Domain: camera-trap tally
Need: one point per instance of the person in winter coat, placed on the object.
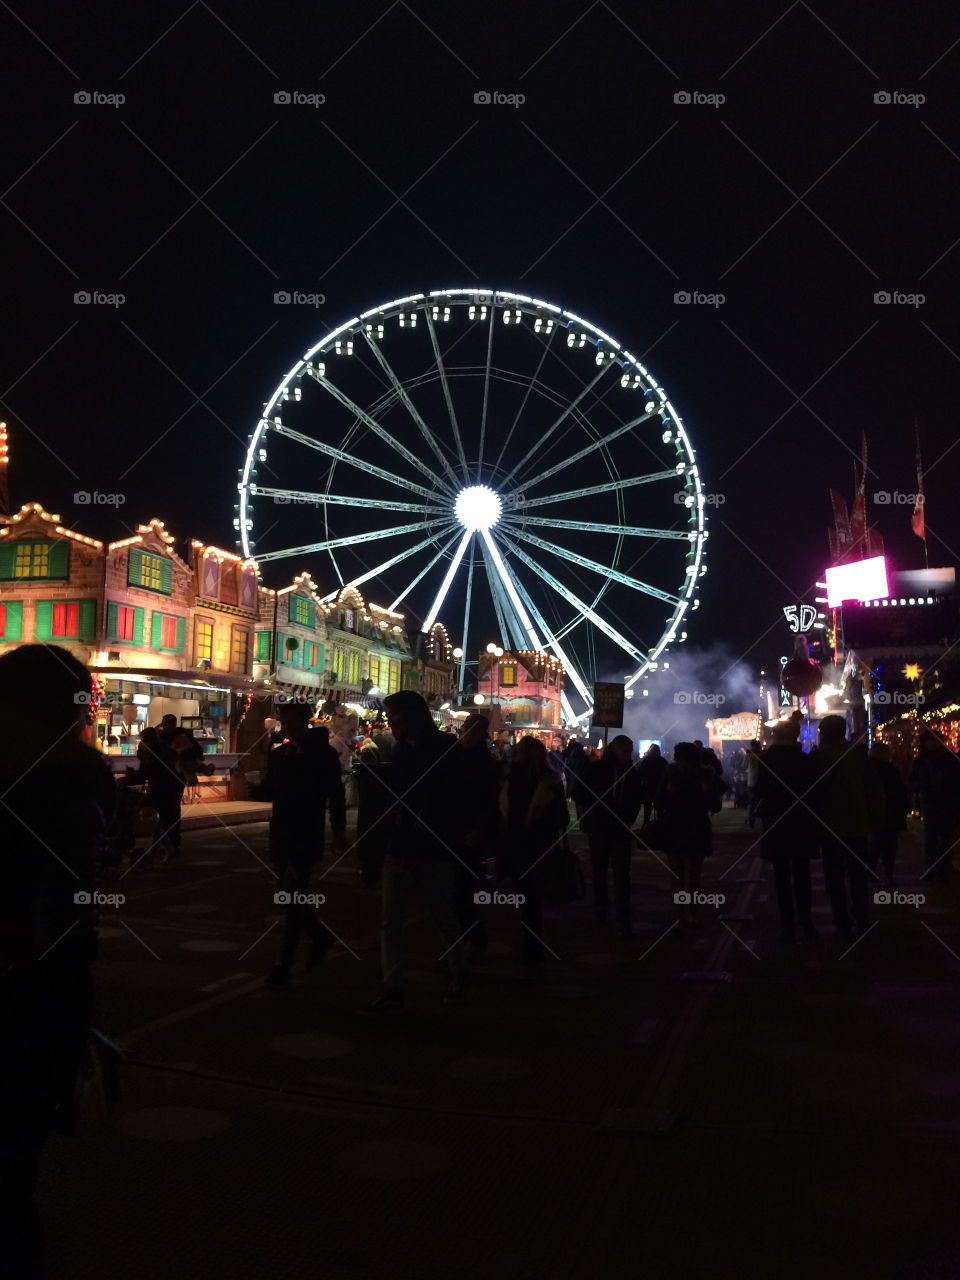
(688, 795)
(480, 787)
(58, 797)
(575, 765)
(847, 797)
(753, 777)
(424, 822)
(534, 817)
(302, 780)
(883, 843)
(789, 837)
(652, 768)
(614, 790)
(935, 775)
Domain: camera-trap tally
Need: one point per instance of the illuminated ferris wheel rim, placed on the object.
(463, 496)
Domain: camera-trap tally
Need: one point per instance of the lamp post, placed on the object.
(496, 652)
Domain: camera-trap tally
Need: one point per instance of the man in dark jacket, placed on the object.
(58, 796)
(425, 824)
(789, 838)
(303, 778)
(896, 805)
(935, 775)
(614, 792)
(847, 797)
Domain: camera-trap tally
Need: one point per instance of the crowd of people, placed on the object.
(439, 816)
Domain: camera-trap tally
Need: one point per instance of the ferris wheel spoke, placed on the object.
(486, 390)
(581, 605)
(378, 430)
(609, 487)
(352, 540)
(590, 448)
(526, 395)
(465, 642)
(388, 564)
(341, 456)
(510, 588)
(510, 629)
(423, 572)
(454, 425)
(336, 499)
(537, 448)
(570, 669)
(604, 570)
(676, 535)
(448, 579)
(410, 407)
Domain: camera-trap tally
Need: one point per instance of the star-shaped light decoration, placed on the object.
(912, 671)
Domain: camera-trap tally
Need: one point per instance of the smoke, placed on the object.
(674, 702)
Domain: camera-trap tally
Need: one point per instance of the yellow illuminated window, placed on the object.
(204, 641)
(32, 560)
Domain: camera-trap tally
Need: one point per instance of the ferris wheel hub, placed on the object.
(478, 507)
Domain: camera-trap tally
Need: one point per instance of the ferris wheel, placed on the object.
(496, 458)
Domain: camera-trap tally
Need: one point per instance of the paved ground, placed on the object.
(810, 1096)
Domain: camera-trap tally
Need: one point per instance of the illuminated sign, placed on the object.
(801, 617)
(860, 581)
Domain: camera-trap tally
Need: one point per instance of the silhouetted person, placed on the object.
(789, 827)
(167, 772)
(424, 827)
(303, 779)
(534, 815)
(688, 796)
(575, 764)
(613, 789)
(652, 767)
(479, 820)
(58, 795)
(753, 777)
(896, 805)
(935, 776)
(848, 799)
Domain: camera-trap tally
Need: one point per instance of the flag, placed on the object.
(839, 535)
(916, 520)
(858, 512)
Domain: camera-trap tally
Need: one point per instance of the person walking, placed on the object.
(534, 815)
(688, 795)
(479, 819)
(58, 797)
(652, 768)
(847, 797)
(789, 837)
(613, 788)
(935, 776)
(421, 843)
(159, 760)
(575, 765)
(896, 805)
(753, 777)
(302, 780)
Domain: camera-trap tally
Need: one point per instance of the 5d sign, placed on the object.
(800, 617)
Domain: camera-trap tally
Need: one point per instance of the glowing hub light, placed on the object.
(862, 580)
(478, 507)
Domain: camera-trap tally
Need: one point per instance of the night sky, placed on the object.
(798, 198)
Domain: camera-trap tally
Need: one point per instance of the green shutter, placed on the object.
(8, 556)
(87, 620)
(138, 627)
(13, 620)
(262, 646)
(134, 561)
(181, 634)
(166, 576)
(112, 622)
(156, 629)
(43, 615)
(58, 560)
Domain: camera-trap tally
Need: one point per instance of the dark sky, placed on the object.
(798, 198)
